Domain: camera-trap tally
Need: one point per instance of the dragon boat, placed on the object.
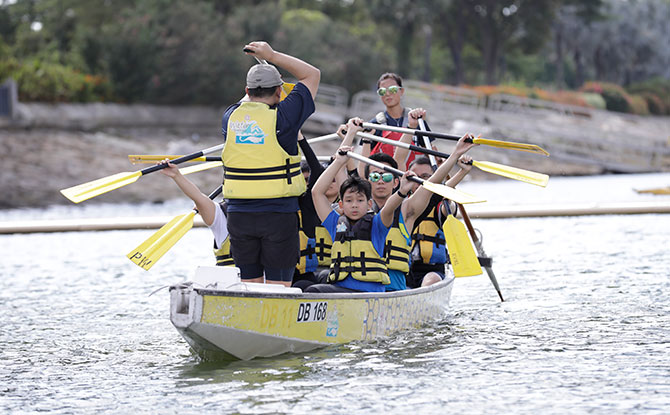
(221, 316)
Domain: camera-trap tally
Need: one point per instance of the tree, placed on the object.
(502, 25)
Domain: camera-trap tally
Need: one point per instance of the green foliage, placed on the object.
(616, 98)
(594, 100)
(175, 52)
(656, 91)
(181, 54)
(638, 105)
(49, 82)
(343, 58)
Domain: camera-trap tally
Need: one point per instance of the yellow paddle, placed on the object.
(458, 244)
(480, 250)
(464, 260)
(97, 187)
(440, 189)
(515, 173)
(151, 250)
(531, 148)
(201, 167)
(155, 158)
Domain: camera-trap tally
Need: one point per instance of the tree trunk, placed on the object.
(403, 48)
(558, 36)
(579, 69)
(455, 34)
(489, 50)
(426, 53)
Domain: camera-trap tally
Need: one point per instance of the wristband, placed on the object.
(400, 194)
(365, 141)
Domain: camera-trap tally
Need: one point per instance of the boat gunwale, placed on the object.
(309, 296)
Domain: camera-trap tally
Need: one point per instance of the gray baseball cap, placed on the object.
(263, 76)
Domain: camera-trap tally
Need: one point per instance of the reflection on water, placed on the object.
(585, 328)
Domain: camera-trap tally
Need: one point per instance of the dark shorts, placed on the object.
(415, 278)
(264, 239)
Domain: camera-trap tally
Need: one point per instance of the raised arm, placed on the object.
(465, 167)
(206, 206)
(315, 167)
(419, 200)
(348, 133)
(321, 202)
(393, 202)
(309, 75)
(400, 154)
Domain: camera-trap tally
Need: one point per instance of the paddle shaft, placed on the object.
(429, 151)
(426, 143)
(261, 61)
(382, 166)
(480, 250)
(182, 159)
(414, 131)
(408, 146)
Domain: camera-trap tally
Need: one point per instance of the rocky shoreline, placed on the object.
(49, 148)
(38, 163)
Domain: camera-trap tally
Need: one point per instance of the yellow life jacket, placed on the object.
(428, 242)
(308, 260)
(354, 255)
(396, 249)
(255, 164)
(222, 253)
(323, 246)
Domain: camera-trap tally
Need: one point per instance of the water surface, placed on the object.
(585, 327)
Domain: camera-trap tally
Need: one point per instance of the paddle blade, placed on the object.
(155, 158)
(451, 193)
(201, 167)
(151, 250)
(522, 175)
(97, 187)
(464, 260)
(531, 148)
(286, 89)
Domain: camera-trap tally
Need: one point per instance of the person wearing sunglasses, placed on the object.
(390, 91)
(357, 257)
(397, 244)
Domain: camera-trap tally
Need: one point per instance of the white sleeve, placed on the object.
(219, 227)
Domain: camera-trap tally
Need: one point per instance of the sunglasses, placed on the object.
(386, 177)
(391, 90)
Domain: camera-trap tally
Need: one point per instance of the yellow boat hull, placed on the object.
(245, 324)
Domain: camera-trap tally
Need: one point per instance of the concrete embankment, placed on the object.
(46, 148)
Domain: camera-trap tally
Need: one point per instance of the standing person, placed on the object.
(391, 91)
(213, 214)
(262, 166)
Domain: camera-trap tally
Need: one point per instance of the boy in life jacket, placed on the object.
(315, 241)
(397, 244)
(213, 214)
(357, 262)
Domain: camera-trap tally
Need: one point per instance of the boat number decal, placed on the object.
(308, 312)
